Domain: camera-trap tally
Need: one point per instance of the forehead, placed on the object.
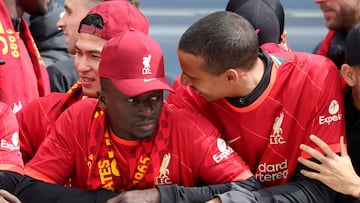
(190, 63)
(87, 42)
(80, 7)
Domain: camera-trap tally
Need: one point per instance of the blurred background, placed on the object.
(170, 18)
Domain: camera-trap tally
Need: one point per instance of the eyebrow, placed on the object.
(88, 50)
(187, 74)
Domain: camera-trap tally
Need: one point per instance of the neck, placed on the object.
(251, 78)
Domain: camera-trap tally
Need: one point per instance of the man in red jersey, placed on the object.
(23, 76)
(35, 118)
(11, 164)
(264, 105)
(341, 172)
(129, 138)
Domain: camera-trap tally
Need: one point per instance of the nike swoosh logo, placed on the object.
(149, 80)
(233, 140)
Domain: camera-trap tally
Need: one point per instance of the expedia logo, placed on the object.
(13, 145)
(224, 151)
(334, 114)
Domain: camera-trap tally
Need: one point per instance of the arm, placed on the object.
(175, 193)
(28, 191)
(335, 171)
(300, 190)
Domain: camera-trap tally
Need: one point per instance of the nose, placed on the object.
(61, 22)
(146, 109)
(185, 80)
(81, 63)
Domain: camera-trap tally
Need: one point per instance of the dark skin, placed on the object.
(131, 117)
(16, 8)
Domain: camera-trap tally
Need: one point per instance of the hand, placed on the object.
(334, 171)
(6, 197)
(215, 200)
(137, 196)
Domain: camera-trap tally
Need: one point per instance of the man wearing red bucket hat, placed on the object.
(130, 138)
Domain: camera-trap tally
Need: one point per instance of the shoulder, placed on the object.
(45, 104)
(306, 61)
(6, 112)
(187, 121)
(83, 106)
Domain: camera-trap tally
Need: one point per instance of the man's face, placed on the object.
(34, 7)
(87, 58)
(75, 11)
(209, 86)
(134, 117)
(339, 14)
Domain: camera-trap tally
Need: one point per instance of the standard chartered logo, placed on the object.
(334, 114)
(268, 172)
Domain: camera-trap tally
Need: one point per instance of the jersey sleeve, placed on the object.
(185, 97)
(328, 122)
(212, 160)
(54, 160)
(9, 145)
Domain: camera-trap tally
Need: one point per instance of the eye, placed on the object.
(133, 100)
(154, 98)
(78, 52)
(96, 56)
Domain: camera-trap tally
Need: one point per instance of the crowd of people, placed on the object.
(248, 119)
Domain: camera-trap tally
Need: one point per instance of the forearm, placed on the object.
(300, 190)
(175, 193)
(9, 180)
(31, 190)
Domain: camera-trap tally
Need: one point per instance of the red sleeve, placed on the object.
(209, 157)
(328, 122)
(34, 119)
(54, 161)
(9, 144)
(64, 152)
(185, 97)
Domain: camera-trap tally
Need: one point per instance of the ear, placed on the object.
(349, 74)
(231, 75)
(102, 98)
(283, 42)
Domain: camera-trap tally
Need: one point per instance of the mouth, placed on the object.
(86, 80)
(146, 125)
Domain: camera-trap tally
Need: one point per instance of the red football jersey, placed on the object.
(9, 143)
(36, 117)
(194, 153)
(303, 98)
(23, 76)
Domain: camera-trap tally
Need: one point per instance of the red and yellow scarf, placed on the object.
(107, 167)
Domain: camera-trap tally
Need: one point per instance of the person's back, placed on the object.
(23, 76)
